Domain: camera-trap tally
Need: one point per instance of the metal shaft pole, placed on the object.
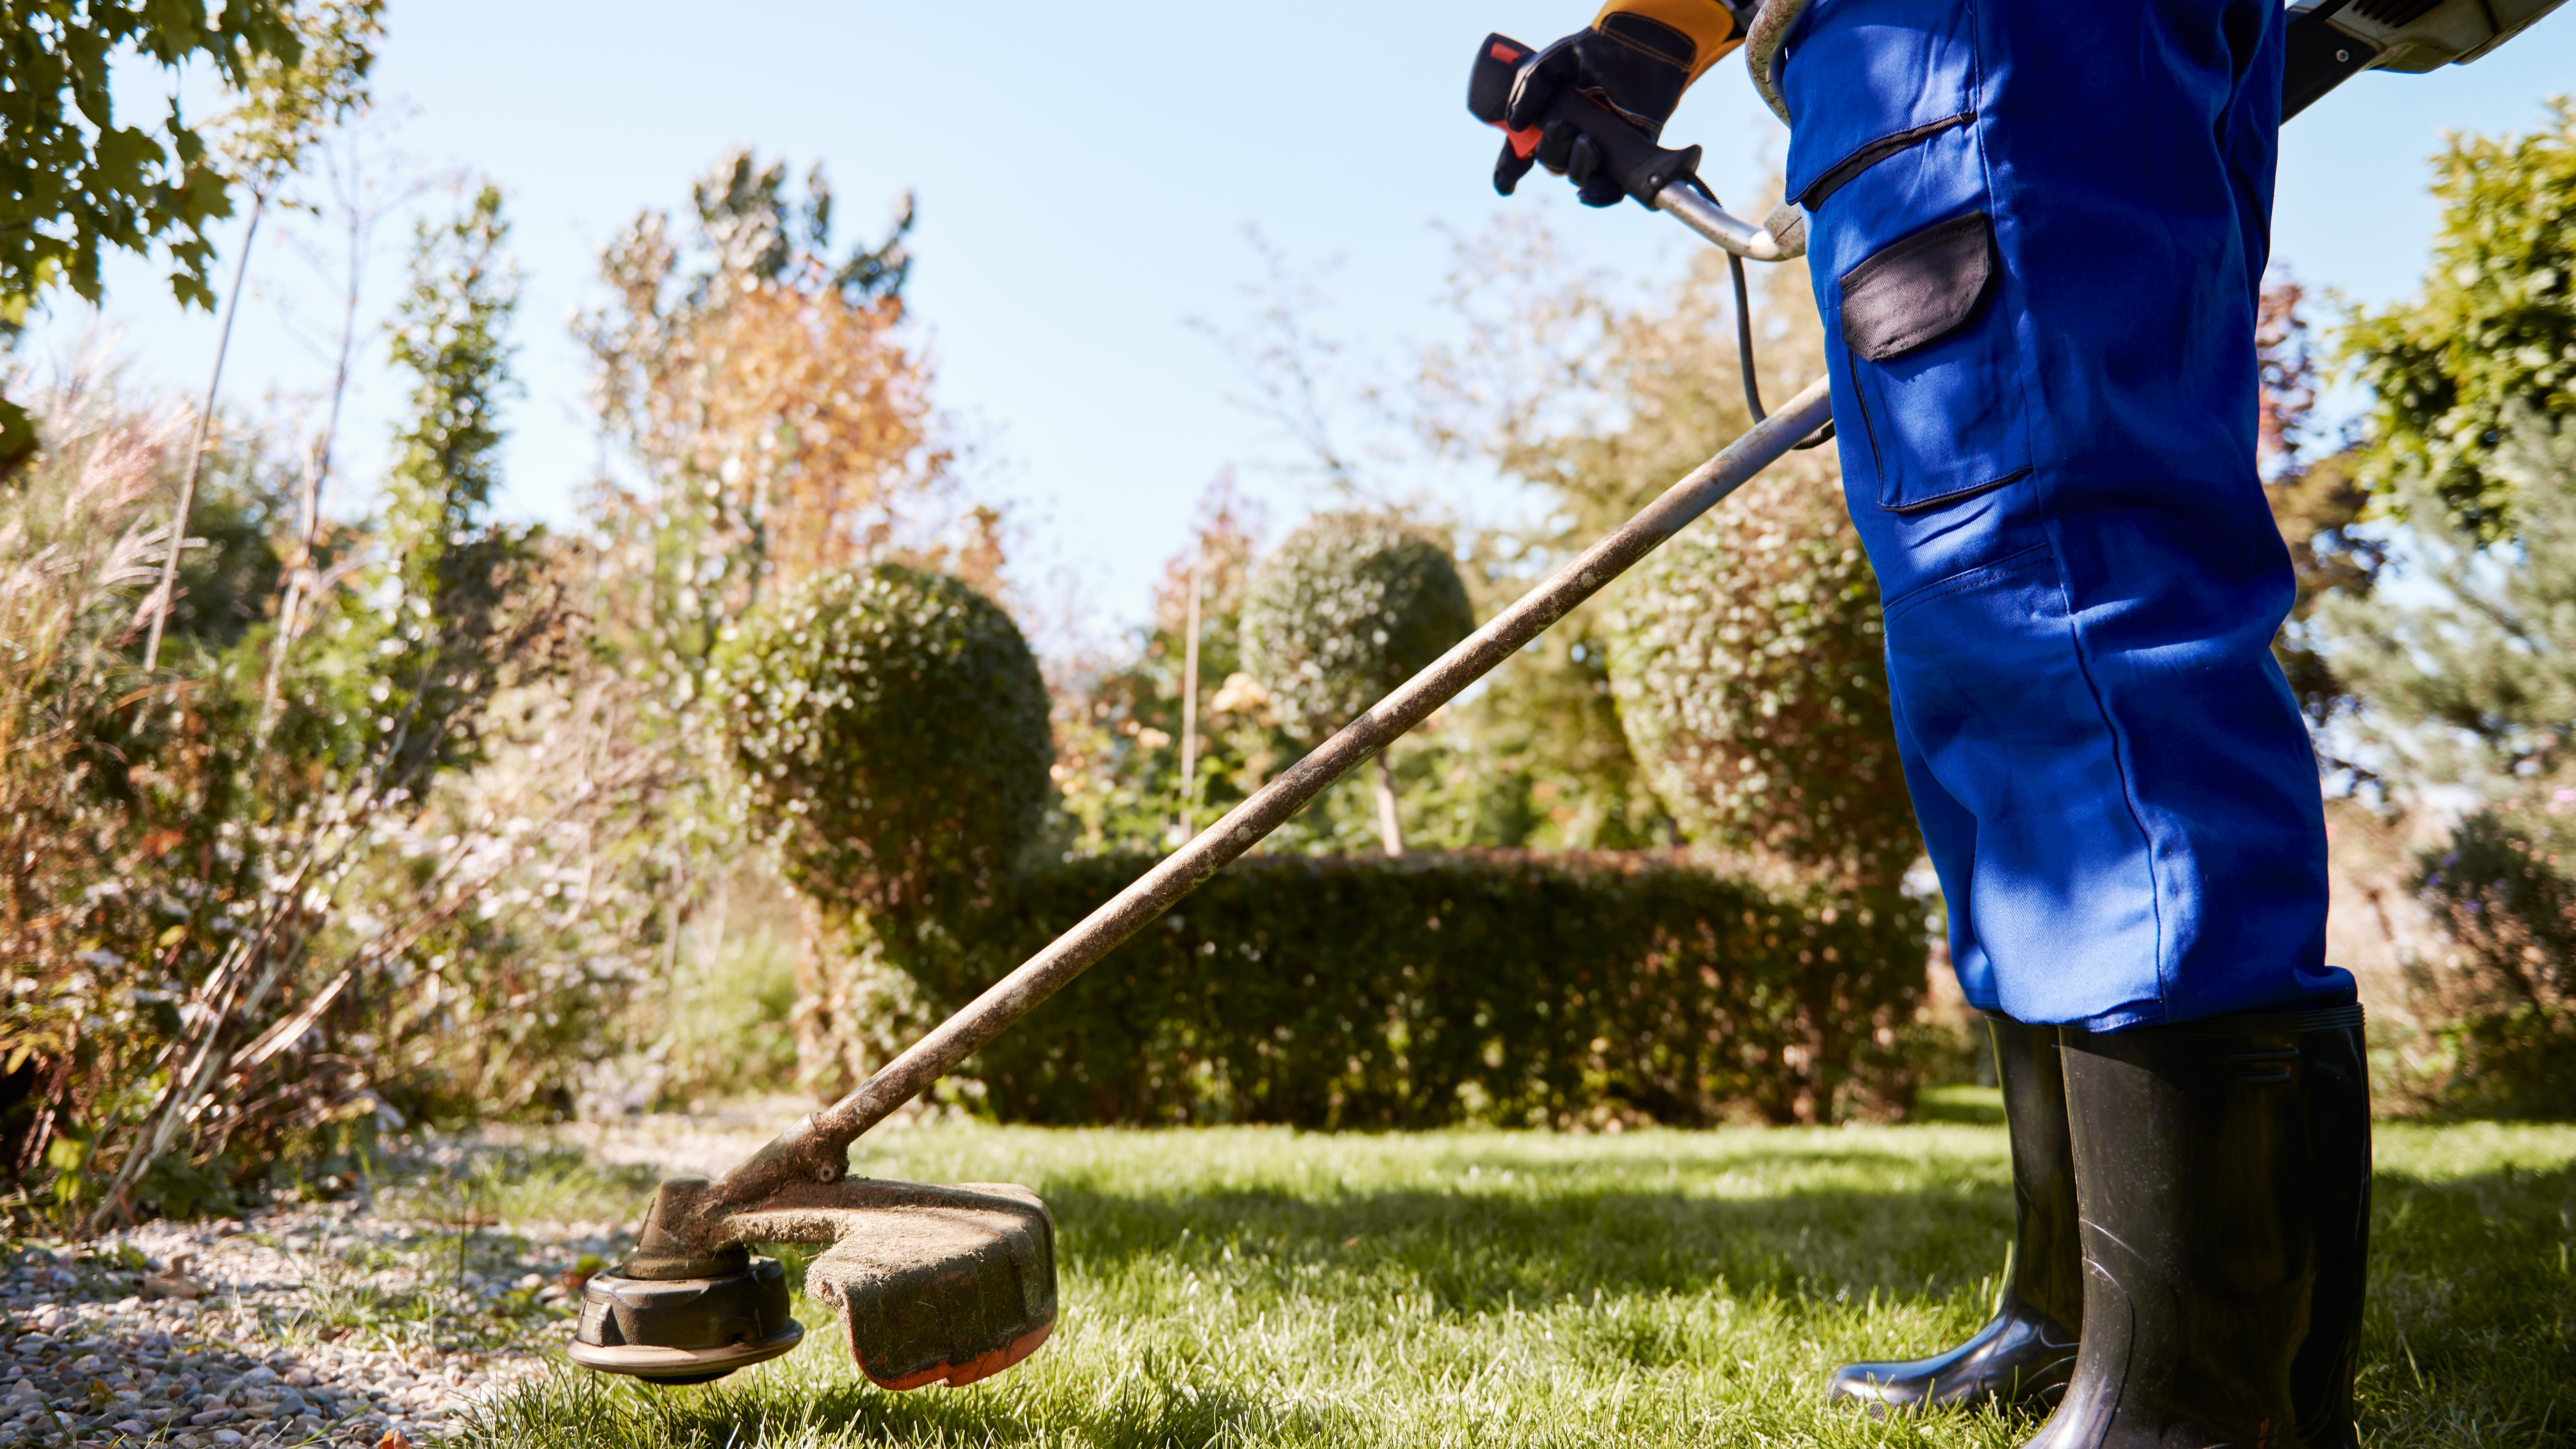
(817, 1148)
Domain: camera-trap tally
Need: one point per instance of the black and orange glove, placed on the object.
(1637, 57)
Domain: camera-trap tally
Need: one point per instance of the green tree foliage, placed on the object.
(80, 183)
(2484, 662)
(2317, 502)
(453, 568)
(1748, 662)
(890, 728)
(290, 97)
(1119, 722)
(1732, 685)
(2494, 328)
(413, 656)
(1119, 733)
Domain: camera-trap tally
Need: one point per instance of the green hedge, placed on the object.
(1492, 986)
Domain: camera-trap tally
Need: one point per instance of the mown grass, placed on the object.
(1249, 1286)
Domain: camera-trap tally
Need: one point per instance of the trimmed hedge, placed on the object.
(1492, 986)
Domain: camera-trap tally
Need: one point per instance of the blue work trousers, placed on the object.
(2038, 234)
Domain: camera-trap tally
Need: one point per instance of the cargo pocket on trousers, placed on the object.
(1932, 363)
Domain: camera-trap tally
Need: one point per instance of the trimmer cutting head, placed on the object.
(686, 1330)
(934, 1285)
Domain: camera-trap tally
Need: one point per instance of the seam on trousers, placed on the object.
(2128, 777)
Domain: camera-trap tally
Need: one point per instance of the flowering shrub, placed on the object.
(890, 728)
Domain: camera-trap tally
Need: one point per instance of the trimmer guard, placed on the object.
(934, 1283)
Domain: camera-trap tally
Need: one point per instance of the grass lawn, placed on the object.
(1488, 1289)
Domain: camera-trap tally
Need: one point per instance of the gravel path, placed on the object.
(341, 1323)
(370, 1321)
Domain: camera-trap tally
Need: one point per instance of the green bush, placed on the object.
(891, 731)
(1746, 659)
(2507, 1003)
(1349, 607)
(1496, 986)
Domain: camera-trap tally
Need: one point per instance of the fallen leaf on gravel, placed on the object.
(393, 1440)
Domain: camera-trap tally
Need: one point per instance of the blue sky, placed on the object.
(1086, 175)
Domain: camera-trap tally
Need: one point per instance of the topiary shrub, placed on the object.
(1492, 986)
(1349, 607)
(891, 731)
(1747, 660)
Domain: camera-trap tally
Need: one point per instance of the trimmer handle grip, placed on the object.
(1642, 168)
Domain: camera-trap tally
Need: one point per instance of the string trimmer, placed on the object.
(951, 1284)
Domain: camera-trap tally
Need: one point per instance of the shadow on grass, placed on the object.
(1478, 1253)
(2471, 1338)
(1959, 1106)
(1160, 1405)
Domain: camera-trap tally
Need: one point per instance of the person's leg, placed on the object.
(2037, 232)
(2036, 236)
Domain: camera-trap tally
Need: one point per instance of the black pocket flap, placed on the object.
(1917, 290)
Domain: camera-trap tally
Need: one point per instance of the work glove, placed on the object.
(1633, 63)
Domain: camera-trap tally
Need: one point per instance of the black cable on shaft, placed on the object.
(1744, 353)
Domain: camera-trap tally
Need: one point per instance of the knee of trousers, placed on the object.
(2115, 785)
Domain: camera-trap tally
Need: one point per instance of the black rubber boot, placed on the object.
(2026, 1351)
(2223, 1168)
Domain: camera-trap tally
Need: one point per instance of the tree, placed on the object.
(1350, 606)
(1119, 728)
(2469, 675)
(79, 183)
(766, 391)
(2493, 329)
(776, 420)
(442, 615)
(2317, 501)
(287, 102)
(2479, 661)
(1734, 680)
(890, 730)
